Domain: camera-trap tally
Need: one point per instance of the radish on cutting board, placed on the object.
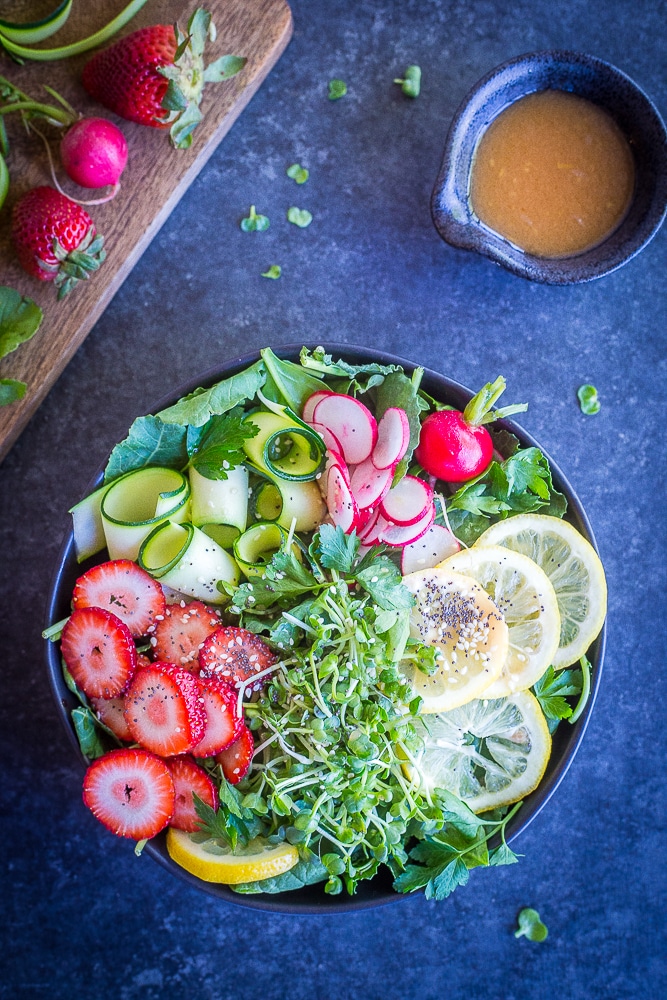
(351, 423)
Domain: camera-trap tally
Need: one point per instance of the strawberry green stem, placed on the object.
(65, 51)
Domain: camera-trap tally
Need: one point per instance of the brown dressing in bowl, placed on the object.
(553, 174)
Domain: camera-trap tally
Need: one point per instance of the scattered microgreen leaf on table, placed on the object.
(254, 223)
(300, 217)
(273, 272)
(588, 399)
(531, 926)
(11, 389)
(298, 173)
(337, 89)
(410, 81)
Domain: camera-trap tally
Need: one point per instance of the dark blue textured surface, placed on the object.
(81, 915)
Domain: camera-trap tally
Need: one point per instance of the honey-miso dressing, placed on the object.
(553, 174)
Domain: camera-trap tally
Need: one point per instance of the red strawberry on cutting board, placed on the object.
(156, 76)
(55, 239)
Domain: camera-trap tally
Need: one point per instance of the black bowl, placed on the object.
(377, 891)
(590, 78)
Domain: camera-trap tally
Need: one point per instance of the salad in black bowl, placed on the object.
(327, 631)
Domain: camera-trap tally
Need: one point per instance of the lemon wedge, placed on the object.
(489, 753)
(453, 613)
(523, 594)
(574, 568)
(210, 861)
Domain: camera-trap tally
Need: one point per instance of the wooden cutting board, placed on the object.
(256, 29)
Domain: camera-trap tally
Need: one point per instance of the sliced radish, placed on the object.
(373, 533)
(340, 502)
(399, 535)
(437, 544)
(408, 501)
(311, 403)
(369, 485)
(331, 442)
(393, 438)
(350, 422)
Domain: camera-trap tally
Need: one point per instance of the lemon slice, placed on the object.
(525, 597)
(572, 565)
(489, 753)
(453, 613)
(211, 862)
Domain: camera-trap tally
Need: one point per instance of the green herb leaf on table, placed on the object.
(300, 217)
(337, 89)
(223, 68)
(20, 319)
(11, 390)
(588, 399)
(149, 442)
(254, 223)
(273, 272)
(298, 173)
(220, 447)
(531, 926)
(410, 81)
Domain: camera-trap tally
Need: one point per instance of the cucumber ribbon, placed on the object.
(18, 39)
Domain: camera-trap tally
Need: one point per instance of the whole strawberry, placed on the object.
(55, 239)
(156, 76)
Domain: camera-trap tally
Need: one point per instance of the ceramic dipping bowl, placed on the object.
(596, 81)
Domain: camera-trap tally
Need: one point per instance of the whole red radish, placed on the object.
(156, 76)
(455, 446)
(94, 152)
(55, 239)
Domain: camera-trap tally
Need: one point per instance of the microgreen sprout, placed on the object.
(298, 173)
(273, 272)
(588, 399)
(337, 89)
(254, 223)
(300, 217)
(410, 81)
(531, 926)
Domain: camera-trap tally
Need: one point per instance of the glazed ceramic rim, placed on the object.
(313, 900)
(452, 213)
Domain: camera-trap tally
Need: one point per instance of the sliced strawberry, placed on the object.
(111, 712)
(220, 700)
(99, 652)
(189, 778)
(236, 759)
(179, 632)
(131, 792)
(125, 589)
(163, 709)
(235, 654)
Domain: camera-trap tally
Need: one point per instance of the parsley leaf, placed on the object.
(284, 579)
(218, 446)
(336, 549)
(383, 581)
(551, 691)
